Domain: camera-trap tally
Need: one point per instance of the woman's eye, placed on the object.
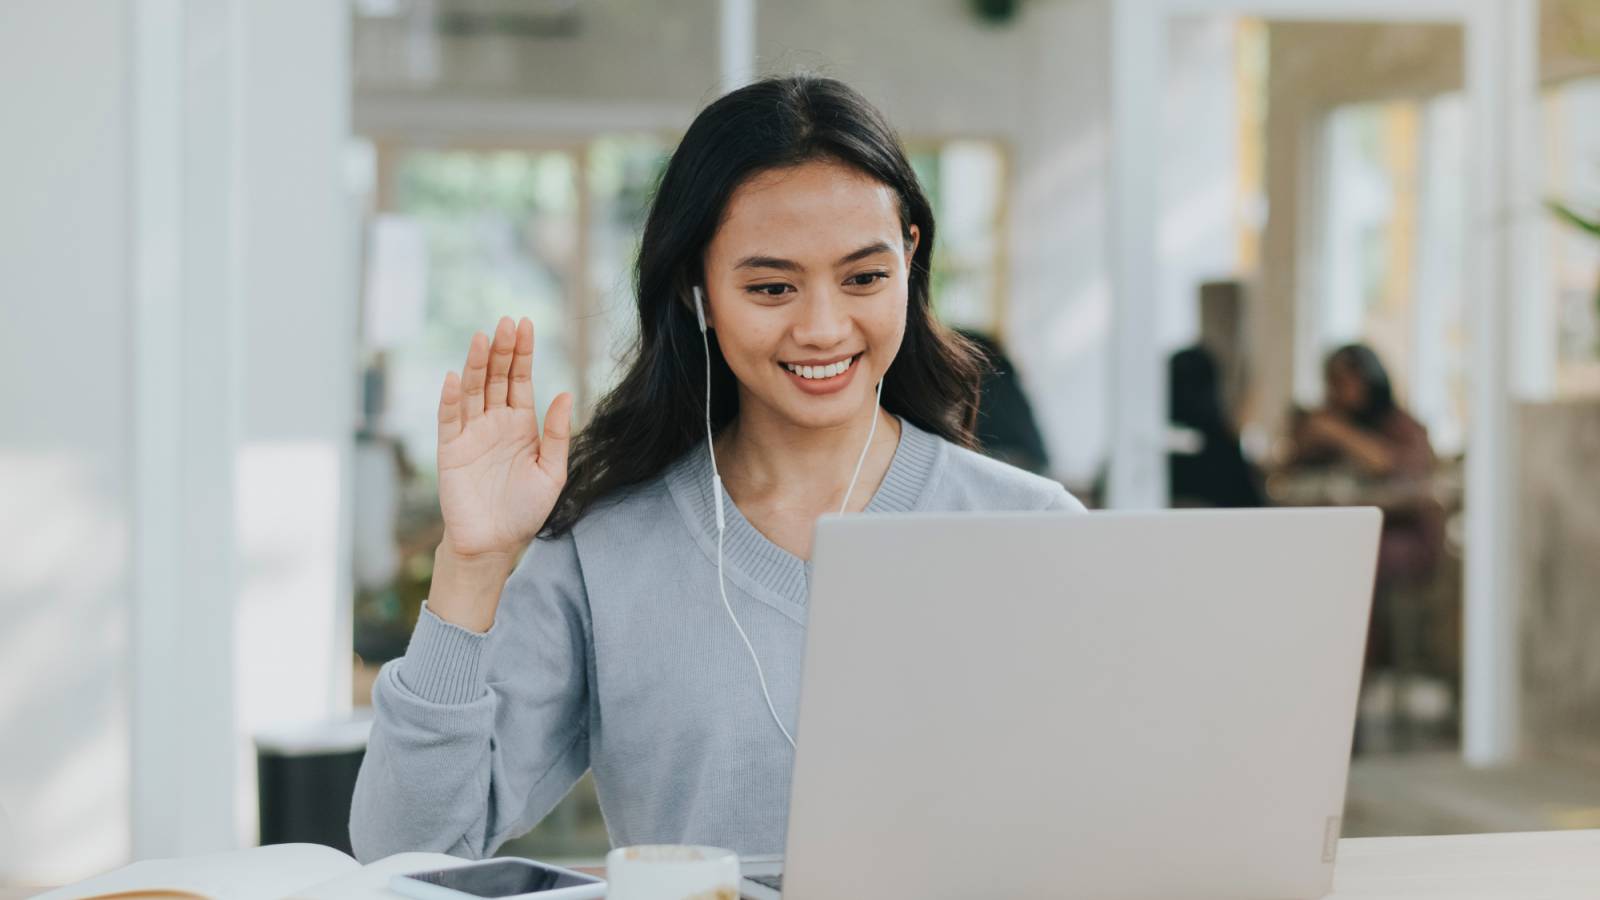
(865, 279)
(770, 290)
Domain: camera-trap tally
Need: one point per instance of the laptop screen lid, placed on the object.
(1105, 705)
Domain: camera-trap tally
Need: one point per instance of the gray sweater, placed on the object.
(611, 651)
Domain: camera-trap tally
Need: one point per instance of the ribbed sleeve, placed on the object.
(442, 663)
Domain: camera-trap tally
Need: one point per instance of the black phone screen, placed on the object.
(504, 878)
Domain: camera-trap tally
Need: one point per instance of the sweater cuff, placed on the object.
(443, 663)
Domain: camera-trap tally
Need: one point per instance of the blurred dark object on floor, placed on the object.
(1006, 427)
(305, 776)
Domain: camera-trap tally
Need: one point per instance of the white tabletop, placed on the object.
(1549, 865)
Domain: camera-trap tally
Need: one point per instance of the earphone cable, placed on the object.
(716, 487)
(877, 403)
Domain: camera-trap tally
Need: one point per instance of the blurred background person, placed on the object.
(1362, 431)
(1006, 427)
(1205, 464)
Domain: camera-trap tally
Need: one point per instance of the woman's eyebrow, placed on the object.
(789, 265)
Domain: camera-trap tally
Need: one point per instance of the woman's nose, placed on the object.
(823, 321)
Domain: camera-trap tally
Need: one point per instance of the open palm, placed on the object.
(498, 479)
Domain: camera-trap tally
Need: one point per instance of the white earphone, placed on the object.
(722, 523)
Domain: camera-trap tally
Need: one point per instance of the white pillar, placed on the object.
(738, 32)
(1502, 90)
(185, 384)
(1138, 475)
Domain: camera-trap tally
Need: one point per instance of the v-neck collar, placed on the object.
(761, 567)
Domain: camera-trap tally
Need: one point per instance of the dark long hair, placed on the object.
(657, 411)
(1363, 361)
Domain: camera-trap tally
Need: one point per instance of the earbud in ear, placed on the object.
(700, 308)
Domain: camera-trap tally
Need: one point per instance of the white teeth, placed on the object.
(817, 372)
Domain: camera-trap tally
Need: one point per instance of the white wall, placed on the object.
(177, 349)
(64, 438)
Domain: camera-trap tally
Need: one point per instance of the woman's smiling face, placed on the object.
(806, 289)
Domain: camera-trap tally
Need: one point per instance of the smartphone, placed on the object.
(505, 878)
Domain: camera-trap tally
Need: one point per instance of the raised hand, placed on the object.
(498, 479)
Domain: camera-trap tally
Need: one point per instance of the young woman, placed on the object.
(1362, 424)
(635, 637)
(1364, 428)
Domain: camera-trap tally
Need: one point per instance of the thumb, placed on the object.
(557, 437)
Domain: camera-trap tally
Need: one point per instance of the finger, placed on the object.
(505, 339)
(522, 367)
(557, 435)
(473, 377)
(450, 407)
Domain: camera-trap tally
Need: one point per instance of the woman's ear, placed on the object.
(913, 238)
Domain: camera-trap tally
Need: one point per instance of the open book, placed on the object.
(277, 872)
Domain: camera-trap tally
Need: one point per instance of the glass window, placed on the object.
(498, 229)
(965, 181)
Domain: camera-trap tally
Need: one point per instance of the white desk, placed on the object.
(1551, 865)
(1547, 865)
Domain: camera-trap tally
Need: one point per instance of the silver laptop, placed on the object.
(1112, 705)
